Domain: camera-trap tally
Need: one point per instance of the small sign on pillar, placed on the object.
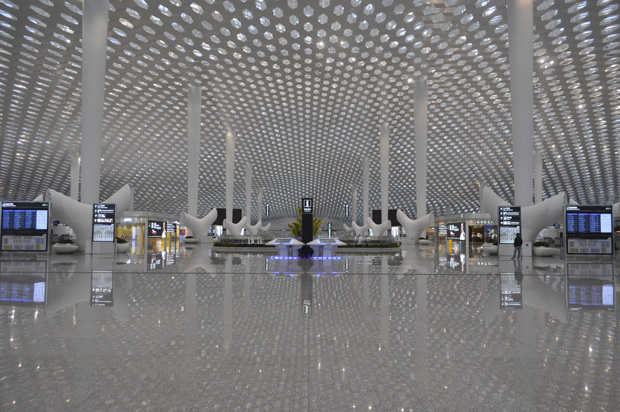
(307, 219)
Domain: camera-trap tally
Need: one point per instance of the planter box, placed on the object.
(122, 247)
(490, 249)
(64, 248)
(542, 251)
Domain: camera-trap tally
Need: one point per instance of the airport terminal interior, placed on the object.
(394, 138)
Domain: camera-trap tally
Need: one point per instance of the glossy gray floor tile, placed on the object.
(418, 330)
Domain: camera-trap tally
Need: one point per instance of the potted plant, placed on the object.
(305, 252)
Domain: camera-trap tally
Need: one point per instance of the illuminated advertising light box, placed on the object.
(25, 226)
(171, 228)
(443, 229)
(589, 230)
(590, 286)
(456, 231)
(104, 225)
(509, 223)
(156, 229)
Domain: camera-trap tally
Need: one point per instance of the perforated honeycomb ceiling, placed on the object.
(305, 86)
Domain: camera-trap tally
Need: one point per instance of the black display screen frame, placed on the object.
(7, 233)
(577, 240)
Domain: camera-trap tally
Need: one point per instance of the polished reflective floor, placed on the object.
(417, 330)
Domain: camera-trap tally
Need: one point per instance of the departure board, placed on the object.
(25, 226)
(589, 230)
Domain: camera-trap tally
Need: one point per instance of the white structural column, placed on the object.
(248, 192)
(75, 176)
(194, 97)
(259, 204)
(384, 148)
(537, 176)
(354, 205)
(521, 54)
(94, 40)
(420, 107)
(230, 174)
(365, 188)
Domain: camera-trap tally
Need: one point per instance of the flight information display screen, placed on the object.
(589, 230)
(588, 222)
(25, 226)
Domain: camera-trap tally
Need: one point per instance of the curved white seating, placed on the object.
(234, 229)
(79, 215)
(378, 229)
(266, 227)
(348, 229)
(199, 227)
(415, 228)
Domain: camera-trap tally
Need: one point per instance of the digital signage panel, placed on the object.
(156, 229)
(456, 231)
(589, 230)
(509, 223)
(104, 226)
(25, 226)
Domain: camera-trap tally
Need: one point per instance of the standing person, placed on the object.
(518, 242)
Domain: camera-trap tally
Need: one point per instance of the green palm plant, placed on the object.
(295, 227)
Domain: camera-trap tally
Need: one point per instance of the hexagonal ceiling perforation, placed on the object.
(305, 86)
